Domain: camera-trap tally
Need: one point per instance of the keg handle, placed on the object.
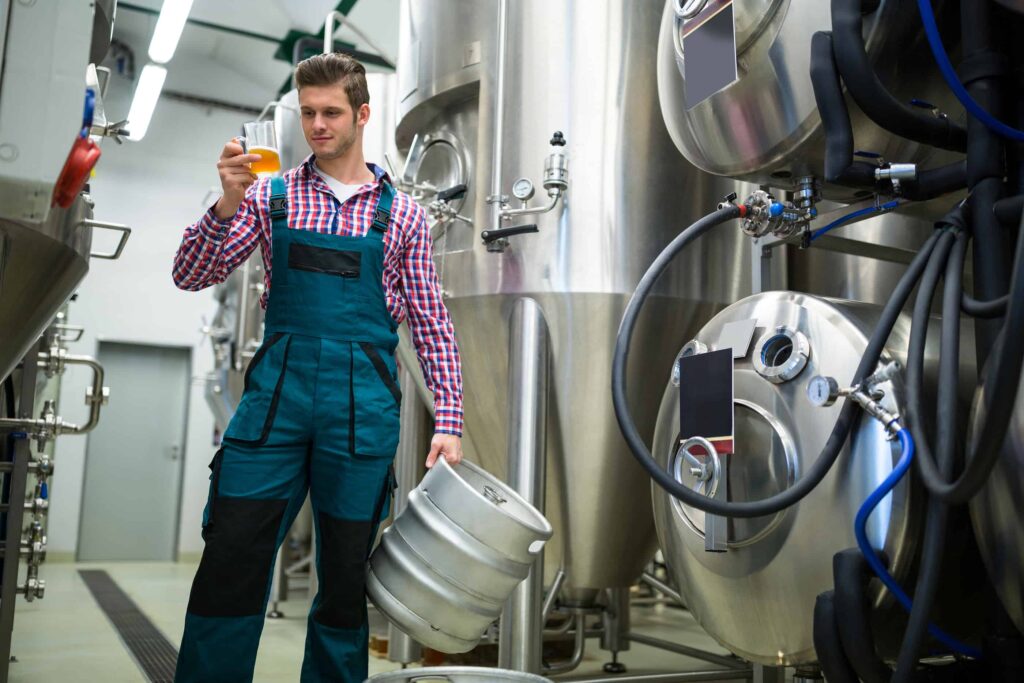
(430, 677)
(493, 496)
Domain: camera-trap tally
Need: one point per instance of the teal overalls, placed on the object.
(320, 413)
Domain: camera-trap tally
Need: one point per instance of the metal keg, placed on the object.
(443, 571)
(456, 674)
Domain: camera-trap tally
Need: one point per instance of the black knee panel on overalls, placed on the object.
(241, 539)
(343, 545)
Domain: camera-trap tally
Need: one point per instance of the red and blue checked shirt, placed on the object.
(211, 249)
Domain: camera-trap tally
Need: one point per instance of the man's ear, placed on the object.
(363, 115)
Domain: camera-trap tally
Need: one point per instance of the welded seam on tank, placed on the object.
(150, 649)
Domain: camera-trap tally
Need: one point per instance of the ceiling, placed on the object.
(226, 51)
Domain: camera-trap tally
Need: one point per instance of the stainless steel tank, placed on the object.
(41, 264)
(629, 194)
(765, 127)
(997, 510)
(757, 598)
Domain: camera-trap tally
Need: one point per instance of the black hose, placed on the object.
(851, 574)
(872, 96)
(935, 182)
(827, 645)
(937, 515)
(833, 447)
(981, 71)
(1008, 210)
(1001, 379)
(840, 168)
(984, 309)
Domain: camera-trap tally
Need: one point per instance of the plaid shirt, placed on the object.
(211, 249)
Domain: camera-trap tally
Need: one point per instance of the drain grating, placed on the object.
(152, 651)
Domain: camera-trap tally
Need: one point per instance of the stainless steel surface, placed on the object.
(443, 571)
(779, 433)
(630, 194)
(413, 441)
(997, 509)
(41, 264)
(519, 647)
(722, 660)
(456, 674)
(765, 127)
(616, 634)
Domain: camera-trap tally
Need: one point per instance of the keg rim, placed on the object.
(534, 521)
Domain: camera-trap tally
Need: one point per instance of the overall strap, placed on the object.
(278, 203)
(382, 212)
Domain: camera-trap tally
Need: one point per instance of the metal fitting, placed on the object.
(824, 391)
(766, 215)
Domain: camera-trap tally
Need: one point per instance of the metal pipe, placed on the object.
(549, 599)
(681, 677)
(498, 132)
(512, 213)
(412, 436)
(577, 652)
(53, 427)
(519, 647)
(95, 399)
(662, 587)
(343, 20)
(723, 660)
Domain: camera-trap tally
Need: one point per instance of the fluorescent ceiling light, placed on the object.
(147, 92)
(168, 29)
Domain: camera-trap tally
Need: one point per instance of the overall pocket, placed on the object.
(376, 401)
(264, 378)
(211, 500)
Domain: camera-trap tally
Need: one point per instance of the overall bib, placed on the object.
(320, 413)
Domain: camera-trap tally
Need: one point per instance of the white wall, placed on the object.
(156, 186)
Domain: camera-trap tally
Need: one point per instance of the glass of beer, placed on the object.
(260, 139)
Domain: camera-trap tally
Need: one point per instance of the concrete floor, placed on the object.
(65, 636)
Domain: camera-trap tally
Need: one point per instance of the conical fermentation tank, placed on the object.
(629, 194)
(44, 247)
(765, 127)
(779, 433)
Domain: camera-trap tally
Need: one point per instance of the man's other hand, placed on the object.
(448, 445)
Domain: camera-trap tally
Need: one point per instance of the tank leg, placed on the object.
(519, 645)
(412, 441)
(615, 636)
(769, 674)
(278, 585)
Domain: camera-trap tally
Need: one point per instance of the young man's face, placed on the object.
(329, 123)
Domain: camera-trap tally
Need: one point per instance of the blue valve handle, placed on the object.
(90, 110)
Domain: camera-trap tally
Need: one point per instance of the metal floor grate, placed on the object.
(152, 651)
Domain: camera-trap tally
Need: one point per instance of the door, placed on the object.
(135, 456)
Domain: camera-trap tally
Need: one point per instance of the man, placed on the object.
(347, 259)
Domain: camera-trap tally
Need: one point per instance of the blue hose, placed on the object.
(854, 214)
(860, 530)
(931, 30)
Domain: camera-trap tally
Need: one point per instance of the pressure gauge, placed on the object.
(822, 391)
(522, 189)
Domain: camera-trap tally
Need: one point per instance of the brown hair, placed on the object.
(331, 68)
